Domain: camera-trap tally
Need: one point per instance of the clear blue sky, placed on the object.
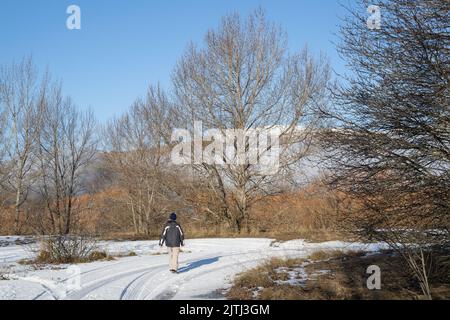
(125, 45)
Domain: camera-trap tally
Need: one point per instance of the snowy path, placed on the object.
(206, 268)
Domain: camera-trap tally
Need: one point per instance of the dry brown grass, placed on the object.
(199, 232)
(308, 214)
(325, 255)
(346, 279)
(44, 257)
(128, 236)
(263, 277)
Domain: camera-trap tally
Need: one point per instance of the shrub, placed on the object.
(69, 249)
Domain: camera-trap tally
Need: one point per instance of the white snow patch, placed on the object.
(207, 267)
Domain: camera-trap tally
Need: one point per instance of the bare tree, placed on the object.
(138, 155)
(20, 94)
(67, 144)
(3, 169)
(2, 144)
(389, 142)
(244, 79)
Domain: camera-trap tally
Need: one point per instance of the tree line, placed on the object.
(243, 78)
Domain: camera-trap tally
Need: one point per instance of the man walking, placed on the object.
(173, 237)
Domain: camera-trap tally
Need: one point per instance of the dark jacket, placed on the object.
(172, 235)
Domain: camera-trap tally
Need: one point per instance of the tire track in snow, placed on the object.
(106, 281)
(169, 289)
(156, 278)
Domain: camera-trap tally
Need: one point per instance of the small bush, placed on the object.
(69, 249)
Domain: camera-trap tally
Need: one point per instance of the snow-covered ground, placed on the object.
(207, 267)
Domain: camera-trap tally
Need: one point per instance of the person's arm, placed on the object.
(181, 235)
(162, 238)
